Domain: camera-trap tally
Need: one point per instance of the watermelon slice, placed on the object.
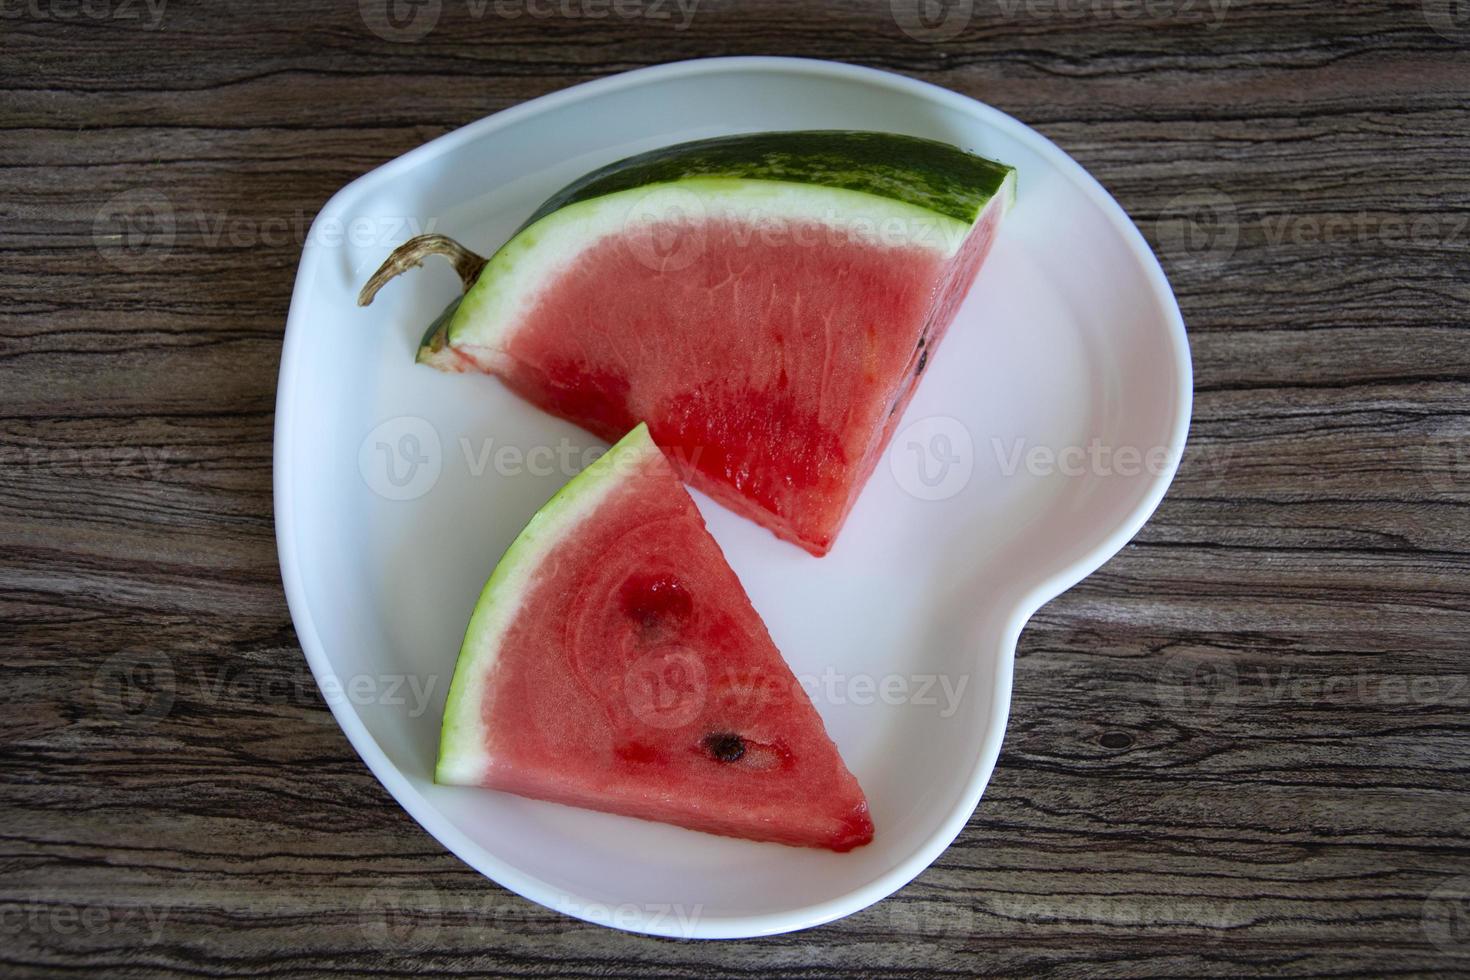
(766, 302)
(614, 662)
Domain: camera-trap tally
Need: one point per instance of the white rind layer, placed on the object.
(1006, 192)
(464, 753)
(516, 274)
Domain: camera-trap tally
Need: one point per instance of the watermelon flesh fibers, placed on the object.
(614, 662)
(773, 387)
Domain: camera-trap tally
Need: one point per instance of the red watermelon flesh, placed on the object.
(830, 343)
(615, 663)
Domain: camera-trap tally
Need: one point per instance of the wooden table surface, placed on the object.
(1242, 746)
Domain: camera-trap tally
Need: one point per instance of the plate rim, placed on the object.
(901, 873)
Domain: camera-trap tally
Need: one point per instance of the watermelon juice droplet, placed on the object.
(656, 600)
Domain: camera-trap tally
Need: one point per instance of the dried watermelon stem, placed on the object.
(411, 255)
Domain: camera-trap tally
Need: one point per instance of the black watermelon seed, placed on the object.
(923, 359)
(725, 746)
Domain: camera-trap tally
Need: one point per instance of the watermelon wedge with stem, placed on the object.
(614, 662)
(766, 302)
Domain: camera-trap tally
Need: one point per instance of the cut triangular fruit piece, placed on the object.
(766, 303)
(614, 662)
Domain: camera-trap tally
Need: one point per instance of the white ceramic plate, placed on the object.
(1044, 434)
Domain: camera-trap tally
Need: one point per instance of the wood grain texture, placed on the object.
(1240, 747)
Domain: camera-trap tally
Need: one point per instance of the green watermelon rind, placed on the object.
(463, 755)
(925, 173)
(933, 192)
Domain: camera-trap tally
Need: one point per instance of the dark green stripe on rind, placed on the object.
(926, 173)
